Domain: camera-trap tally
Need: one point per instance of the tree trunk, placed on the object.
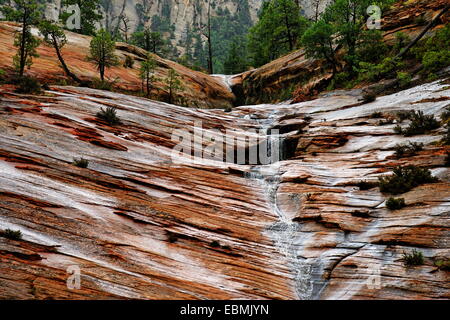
(102, 73)
(288, 29)
(63, 63)
(23, 57)
(210, 62)
(170, 94)
(428, 27)
(317, 10)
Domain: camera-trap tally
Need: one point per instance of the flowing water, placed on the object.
(285, 233)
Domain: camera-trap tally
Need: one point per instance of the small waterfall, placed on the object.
(277, 141)
(285, 233)
(226, 80)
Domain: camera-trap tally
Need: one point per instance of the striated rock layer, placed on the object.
(139, 223)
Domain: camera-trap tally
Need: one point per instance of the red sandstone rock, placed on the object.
(201, 90)
(139, 225)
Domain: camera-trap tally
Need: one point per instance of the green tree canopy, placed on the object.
(318, 43)
(342, 25)
(236, 61)
(90, 15)
(102, 52)
(173, 84)
(27, 12)
(147, 73)
(277, 32)
(150, 41)
(349, 18)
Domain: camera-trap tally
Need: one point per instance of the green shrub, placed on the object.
(401, 41)
(395, 203)
(443, 264)
(404, 115)
(436, 60)
(81, 163)
(434, 52)
(366, 185)
(376, 115)
(27, 85)
(215, 244)
(102, 85)
(398, 129)
(2, 75)
(369, 97)
(404, 179)
(415, 258)
(109, 116)
(409, 149)
(372, 48)
(375, 72)
(342, 77)
(404, 78)
(420, 124)
(11, 234)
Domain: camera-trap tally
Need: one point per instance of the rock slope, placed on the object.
(200, 90)
(141, 224)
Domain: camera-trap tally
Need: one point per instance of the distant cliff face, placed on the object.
(175, 17)
(172, 17)
(313, 8)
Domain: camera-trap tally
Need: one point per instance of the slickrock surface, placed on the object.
(139, 225)
(201, 90)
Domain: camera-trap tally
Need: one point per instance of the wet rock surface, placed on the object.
(140, 223)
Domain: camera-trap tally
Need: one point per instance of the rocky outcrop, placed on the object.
(142, 222)
(297, 77)
(200, 90)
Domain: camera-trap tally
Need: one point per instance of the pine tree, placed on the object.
(341, 25)
(102, 52)
(90, 15)
(27, 12)
(349, 18)
(277, 32)
(54, 36)
(236, 59)
(318, 43)
(150, 41)
(173, 84)
(147, 73)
